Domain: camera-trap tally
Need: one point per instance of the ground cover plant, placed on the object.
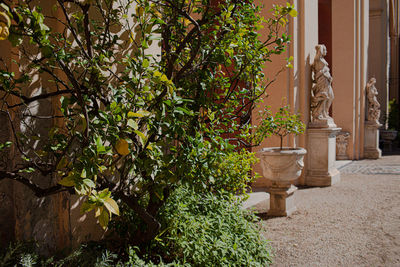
(149, 98)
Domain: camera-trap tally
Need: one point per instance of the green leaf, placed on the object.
(143, 138)
(99, 146)
(112, 206)
(102, 168)
(133, 124)
(27, 170)
(89, 183)
(67, 181)
(146, 63)
(47, 51)
(104, 194)
(86, 207)
(104, 218)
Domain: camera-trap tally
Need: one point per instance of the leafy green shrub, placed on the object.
(209, 230)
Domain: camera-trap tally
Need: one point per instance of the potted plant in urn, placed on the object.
(281, 165)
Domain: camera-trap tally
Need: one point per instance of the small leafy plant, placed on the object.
(282, 123)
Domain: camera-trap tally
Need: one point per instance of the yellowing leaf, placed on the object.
(98, 211)
(81, 124)
(122, 147)
(4, 31)
(62, 163)
(104, 218)
(5, 18)
(83, 173)
(134, 114)
(157, 74)
(164, 78)
(68, 181)
(143, 138)
(112, 206)
(139, 11)
(139, 114)
(293, 13)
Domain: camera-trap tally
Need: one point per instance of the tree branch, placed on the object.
(37, 190)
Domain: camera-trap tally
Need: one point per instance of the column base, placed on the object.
(322, 180)
(282, 202)
(373, 153)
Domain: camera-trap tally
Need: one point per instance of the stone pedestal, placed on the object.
(321, 170)
(282, 201)
(371, 141)
(282, 167)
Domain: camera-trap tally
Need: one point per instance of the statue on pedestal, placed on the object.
(374, 111)
(321, 92)
(371, 132)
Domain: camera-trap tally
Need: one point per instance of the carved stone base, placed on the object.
(323, 179)
(371, 141)
(342, 140)
(282, 202)
(328, 123)
(373, 154)
(321, 170)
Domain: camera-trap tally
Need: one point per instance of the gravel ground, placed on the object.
(353, 223)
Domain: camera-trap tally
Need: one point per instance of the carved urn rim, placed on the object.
(284, 150)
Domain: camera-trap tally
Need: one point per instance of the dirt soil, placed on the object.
(353, 223)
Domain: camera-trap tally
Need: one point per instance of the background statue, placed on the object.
(374, 111)
(321, 92)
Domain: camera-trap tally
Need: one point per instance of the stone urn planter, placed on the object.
(388, 136)
(282, 167)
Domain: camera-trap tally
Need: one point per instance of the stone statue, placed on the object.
(374, 111)
(321, 92)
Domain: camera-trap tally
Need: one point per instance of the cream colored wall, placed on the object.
(349, 68)
(292, 84)
(378, 51)
(305, 40)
